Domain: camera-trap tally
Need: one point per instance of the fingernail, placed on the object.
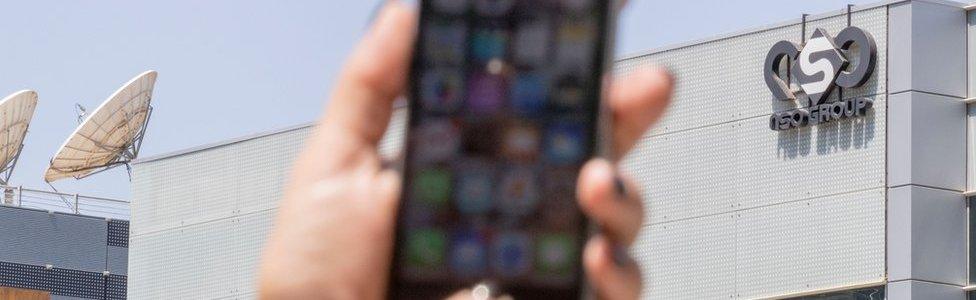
(374, 14)
(620, 188)
(621, 257)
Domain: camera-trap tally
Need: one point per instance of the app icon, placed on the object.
(451, 7)
(577, 5)
(432, 187)
(555, 254)
(416, 213)
(475, 187)
(531, 46)
(558, 205)
(521, 142)
(469, 254)
(481, 138)
(425, 248)
(442, 91)
(488, 44)
(529, 93)
(511, 254)
(437, 140)
(493, 8)
(570, 94)
(444, 43)
(486, 93)
(518, 192)
(575, 45)
(565, 143)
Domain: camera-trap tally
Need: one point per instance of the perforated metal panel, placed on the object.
(219, 182)
(115, 287)
(200, 219)
(118, 233)
(62, 282)
(736, 210)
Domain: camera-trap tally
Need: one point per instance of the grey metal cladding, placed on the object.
(971, 44)
(927, 141)
(927, 235)
(64, 282)
(928, 49)
(117, 260)
(118, 233)
(65, 241)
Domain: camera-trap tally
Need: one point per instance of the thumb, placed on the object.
(362, 101)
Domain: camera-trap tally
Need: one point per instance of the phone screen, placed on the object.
(503, 113)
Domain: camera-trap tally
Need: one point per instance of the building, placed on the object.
(50, 250)
(859, 193)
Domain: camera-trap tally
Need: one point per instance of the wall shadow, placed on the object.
(832, 137)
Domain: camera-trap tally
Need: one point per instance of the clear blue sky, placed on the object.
(231, 68)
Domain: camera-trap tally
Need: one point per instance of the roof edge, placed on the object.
(219, 144)
(812, 17)
(402, 104)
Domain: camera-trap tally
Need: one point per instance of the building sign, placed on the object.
(817, 69)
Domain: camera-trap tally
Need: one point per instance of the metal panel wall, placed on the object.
(747, 212)
(736, 210)
(65, 241)
(66, 255)
(200, 219)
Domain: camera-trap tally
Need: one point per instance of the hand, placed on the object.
(333, 237)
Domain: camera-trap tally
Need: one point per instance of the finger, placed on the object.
(621, 4)
(460, 295)
(637, 101)
(610, 202)
(373, 78)
(469, 295)
(610, 270)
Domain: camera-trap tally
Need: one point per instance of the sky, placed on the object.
(229, 68)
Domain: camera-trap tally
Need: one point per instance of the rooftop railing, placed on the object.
(64, 203)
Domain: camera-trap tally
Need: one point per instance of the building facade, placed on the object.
(785, 168)
(62, 255)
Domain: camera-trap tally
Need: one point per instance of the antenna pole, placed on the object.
(803, 28)
(850, 10)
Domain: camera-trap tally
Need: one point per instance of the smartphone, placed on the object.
(504, 110)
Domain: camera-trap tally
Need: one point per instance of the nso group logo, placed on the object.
(815, 71)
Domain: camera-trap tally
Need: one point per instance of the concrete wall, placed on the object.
(87, 255)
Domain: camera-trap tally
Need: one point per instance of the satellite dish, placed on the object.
(16, 112)
(110, 136)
